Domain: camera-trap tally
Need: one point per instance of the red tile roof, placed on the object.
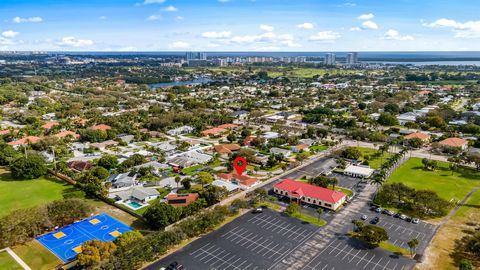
(299, 189)
(418, 135)
(101, 127)
(7, 131)
(50, 125)
(226, 148)
(228, 126)
(66, 133)
(453, 142)
(213, 131)
(181, 199)
(26, 140)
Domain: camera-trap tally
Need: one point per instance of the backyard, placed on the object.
(447, 184)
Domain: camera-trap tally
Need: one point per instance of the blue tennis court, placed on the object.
(66, 242)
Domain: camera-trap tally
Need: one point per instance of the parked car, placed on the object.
(389, 213)
(175, 266)
(375, 220)
(397, 215)
(403, 217)
(257, 210)
(415, 220)
(408, 219)
(364, 217)
(379, 210)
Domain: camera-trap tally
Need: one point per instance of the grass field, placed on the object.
(307, 218)
(438, 255)
(318, 148)
(37, 256)
(447, 185)
(20, 194)
(7, 262)
(374, 161)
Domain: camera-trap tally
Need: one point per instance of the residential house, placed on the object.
(138, 194)
(101, 127)
(177, 200)
(418, 135)
(79, 166)
(181, 130)
(225, 149)
(275, 150)
(67, 133)
(450, 143)
(123, 180)
(299, 148)
(25, 141)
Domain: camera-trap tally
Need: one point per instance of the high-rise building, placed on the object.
(196, 56)
(329, 59)
(352, 58)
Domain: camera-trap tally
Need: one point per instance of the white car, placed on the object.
(415, 220)
(403, 217)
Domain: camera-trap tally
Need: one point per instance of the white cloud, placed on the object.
(368, 16)
(149, 2)
(369, 25)
(291, 43)
(347, 4)
(265, 37)
(355, 29)
(213, 45)
(180, 45)
(223, 1)
(325, 36)
(153, 18)
(179, 18)
(223, 34)
(73, 42)
(24, 20)
(170, 9)
(6, 41)
(10, 34)
(393, 34)
(468, 29)
(286, 37)
(102, 17)
(267, 28)
(306, 25)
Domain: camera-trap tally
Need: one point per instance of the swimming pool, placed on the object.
(134, 205)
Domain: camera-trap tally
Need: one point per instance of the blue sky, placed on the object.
(240, 25)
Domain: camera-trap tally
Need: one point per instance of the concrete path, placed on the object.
(16, 258)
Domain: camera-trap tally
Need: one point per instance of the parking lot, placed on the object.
(252, 241)
(346, 253)
(401, 231)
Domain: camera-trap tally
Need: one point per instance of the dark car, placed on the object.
(175, 266)
(397, 215)
(408, 219)
(375, 220)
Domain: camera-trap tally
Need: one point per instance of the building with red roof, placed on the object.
(244, 181)
(213, 131)
(454, 143)
(177, 200)
(248, 140)
(101, 127)
(26, 140)
(229, 126)
(303, 192)
(418, 135)
(67, 133)
(8, 131)
(226, 148)
(49, 125)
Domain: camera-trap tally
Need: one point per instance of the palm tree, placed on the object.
(319, 212)
(412, 244)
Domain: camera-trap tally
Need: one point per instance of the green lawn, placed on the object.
(318, 148)
(309, 219)
(20, 194)
(269, 205)
(447, 185)
(191, 170)
(37, 256)
(347, 191)
(374, 161)
(8, 263)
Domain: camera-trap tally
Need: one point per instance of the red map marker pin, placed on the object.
(240, 168)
